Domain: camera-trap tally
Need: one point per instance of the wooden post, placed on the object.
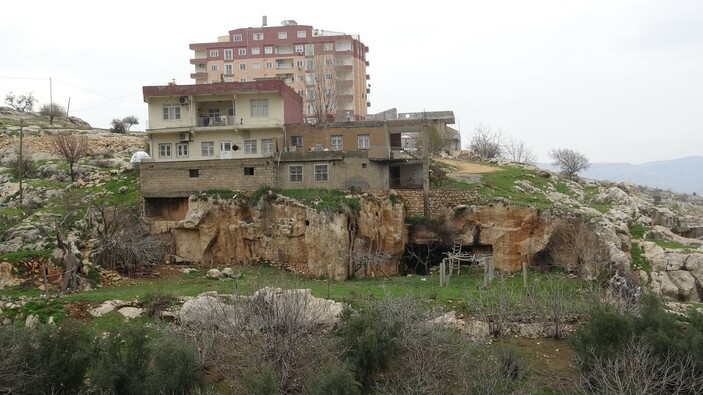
(524, 274)
(443, 272)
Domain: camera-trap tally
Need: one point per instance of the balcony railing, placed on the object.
(217, 121)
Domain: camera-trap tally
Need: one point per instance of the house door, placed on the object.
(394, 176)
(225, 150)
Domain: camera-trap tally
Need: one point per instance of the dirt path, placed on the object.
(467, 171)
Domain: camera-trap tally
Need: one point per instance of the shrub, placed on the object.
(335, 380)
(173, 367)
(121, 360)
(155, 302)
(18, 362)
(63, 355)
(511, 363)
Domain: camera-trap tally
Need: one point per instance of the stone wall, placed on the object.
(441, 201)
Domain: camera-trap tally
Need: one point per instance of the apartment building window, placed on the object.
(301, 92)
(310, 64)
(302, 33)
(268, 65)
(267, 146)
(228, 54)
(336, 143)
(328, 77)
(207, 148)
(214, 53)
(295, 173)
(309, 49)
(321, 173)
(258, 36)
(242, 51)
(172, 112)
(300, 64)
(165, 150)
(299, 49)
(328, 46)
(296, 141)
(364, 141)
(237, 37)
(228, 69)
(282, 35)
(310, 94)
(255, 50)
(250, 147)
(301, 78)
(213, 67)
(259, 107)
(242, 66)
(182, 150)
(256, 65)
(309, 79)
(268, 50)
(229, 79)
(329, 61)
(243, 79)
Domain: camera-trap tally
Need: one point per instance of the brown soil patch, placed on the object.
(78, 311)
(464, 167)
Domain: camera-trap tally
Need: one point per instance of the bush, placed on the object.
(121, 360)
(18, 362)
(335, 380)
(511, 363)
(63, 356)
(173, 367)
(155, 302)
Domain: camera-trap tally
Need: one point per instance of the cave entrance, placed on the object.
(167, 209)
(420, 258)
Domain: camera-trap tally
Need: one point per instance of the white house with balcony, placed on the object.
(227, 120)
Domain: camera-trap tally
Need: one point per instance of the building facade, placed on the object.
(327, 69)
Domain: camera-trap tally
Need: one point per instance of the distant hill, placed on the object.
(683, 175)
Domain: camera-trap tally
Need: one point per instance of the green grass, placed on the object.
(639, 262)
(637, 231)
(674, 245)
(19, 256)
(502, 184)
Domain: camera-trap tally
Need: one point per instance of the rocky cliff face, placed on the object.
(303, 239)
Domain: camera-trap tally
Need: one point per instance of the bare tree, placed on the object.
(569, 161)
(494, 305)
(323, 97)
(517, 151)
(486, 143)
(364, 258)
(21, 103)
(70, 147)
(52, 111)
(576, 246)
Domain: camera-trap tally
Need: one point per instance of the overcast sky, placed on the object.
(619, 81)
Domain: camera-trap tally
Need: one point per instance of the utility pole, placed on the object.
(20, 160)
(425, 166)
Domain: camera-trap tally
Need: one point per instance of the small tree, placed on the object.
(516, 151)
(70, 147)
(130, 121)
(118, 126)
(486, 143)
(52, 111)
(569, 161)
(20, 103)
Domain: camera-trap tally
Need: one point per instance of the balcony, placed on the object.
(345, 67)
(217, 121)
(198, 75)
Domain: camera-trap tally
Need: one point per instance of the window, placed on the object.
(329, 61)
(310, 65)
(255, 50)
(328, 76)
(301, 78)
(228, 54)
(250, 146)
(248, 171)
(242, 51)
(237, 37)
(296, 141)
(302, 33)
(172, 112)
(301, 92)
(309, 79)
(243, 79)
(207, 148)
(282, 35)
(258, 36)
(309, 49)
(299, 49)
(268, 65)
(214, 53)
(228, 69)
(321, 173)
(193, 173)
(267, 146)
(165, 150)
(242, 66)
(295, 173)
(268, 50)
(213, 67)
(259, 107)
(336, 143)
(311, 94)
(256, 65)
(182, 150)
(328, 46)
(300, 64)
(364, 142)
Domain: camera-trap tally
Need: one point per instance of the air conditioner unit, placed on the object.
(184, 137)
(183, 100)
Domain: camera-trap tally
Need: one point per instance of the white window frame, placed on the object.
(322, 172)
(259, 108)
(213, 67)
(182, 150)
(268, 65)
(229, 69)
(266, 146)
(257, 36)
(328, 46)
(364, 141)
(256, 66)
(250, 147)
(242, 66)
(255, 50)
(171, 112)
(336, 142)
(165, 150)
(229, 54)
(295, 173)
(268, 50)
(207, 149)
(243, 79)
(214, 53)
(282, 35)
(242, 51)
(302, 33)
(296, 141)
(299, 49)
(236, 37)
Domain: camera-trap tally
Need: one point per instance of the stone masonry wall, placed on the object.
(441, 201)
